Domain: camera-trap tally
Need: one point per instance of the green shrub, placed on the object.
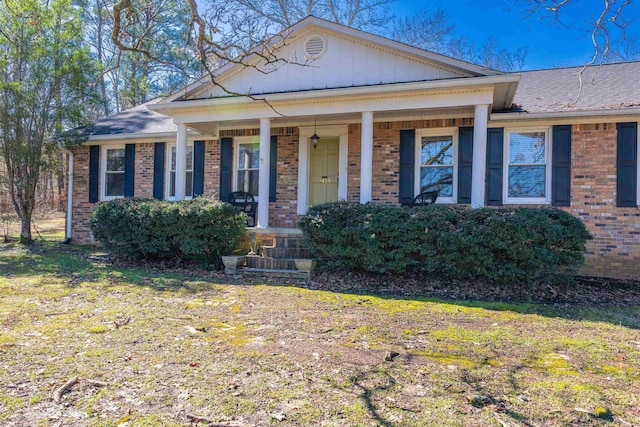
(200, 228)
(497, 245)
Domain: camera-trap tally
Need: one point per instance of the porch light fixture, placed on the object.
(315, 138)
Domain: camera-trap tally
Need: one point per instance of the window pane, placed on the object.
(173, 158)
(527, 181)
(436, 150)
(248, 181)
(438, 179)
(248, 156)
(527, 147)
(189, 159)
(115, 159)
(115, 184)
(188, 188)
(172, 184)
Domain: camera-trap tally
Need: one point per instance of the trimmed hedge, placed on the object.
(501, 245)
(201, 229)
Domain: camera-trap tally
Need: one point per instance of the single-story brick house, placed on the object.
(393, 121)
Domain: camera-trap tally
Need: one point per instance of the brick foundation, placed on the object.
(614, 251)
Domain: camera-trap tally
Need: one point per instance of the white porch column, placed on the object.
(479, 155)
(366, 157)
(263, 173)
(181, 161)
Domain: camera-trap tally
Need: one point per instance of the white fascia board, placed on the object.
(142, 137)
(564, 114)
(168, 108)
(339, 105)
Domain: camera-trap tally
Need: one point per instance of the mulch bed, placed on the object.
(587, 290)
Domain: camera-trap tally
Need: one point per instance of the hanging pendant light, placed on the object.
(315, 138)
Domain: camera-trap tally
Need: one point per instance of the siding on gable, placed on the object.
(345, 63)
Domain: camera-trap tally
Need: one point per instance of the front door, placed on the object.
(323, 176)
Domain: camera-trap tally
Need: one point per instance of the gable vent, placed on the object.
(314, 47)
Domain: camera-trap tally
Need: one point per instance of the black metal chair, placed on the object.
(245, 202)
(426, 198)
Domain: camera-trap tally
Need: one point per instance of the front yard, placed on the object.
(171, 348)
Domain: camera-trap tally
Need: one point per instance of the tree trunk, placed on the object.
(25, 229)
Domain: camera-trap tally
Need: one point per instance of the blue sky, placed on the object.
(548, 45)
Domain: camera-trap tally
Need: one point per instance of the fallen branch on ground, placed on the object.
(198, 419)
(57, 394)
(120, 323)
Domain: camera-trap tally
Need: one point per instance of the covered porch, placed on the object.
(359, 130)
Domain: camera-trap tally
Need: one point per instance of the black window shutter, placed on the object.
(407, 166)
(198, 168)
(273, 168)
(561, 166)
(226, 167)
(627, 165)
(158, 170)
(129, 169)
(495, 148)
(465, 163)
(94, 172)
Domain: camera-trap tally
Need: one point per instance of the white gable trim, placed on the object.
(394, 45)
(303, 29)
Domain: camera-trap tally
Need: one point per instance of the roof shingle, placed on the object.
(606, 86)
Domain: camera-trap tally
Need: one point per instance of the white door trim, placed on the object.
(304, 147)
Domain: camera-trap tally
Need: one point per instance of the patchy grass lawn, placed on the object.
(165, 347)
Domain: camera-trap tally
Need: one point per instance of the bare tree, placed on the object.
(367, 15)
(605, 23)
(432, 29)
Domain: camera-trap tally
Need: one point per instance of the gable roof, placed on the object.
(460, 69)
(604, 87)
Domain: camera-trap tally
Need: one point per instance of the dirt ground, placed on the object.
(159, 346)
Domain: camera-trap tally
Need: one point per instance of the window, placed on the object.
(247, 164)
(527, 154)
(437, 152)
(188, 192)
(113, 167)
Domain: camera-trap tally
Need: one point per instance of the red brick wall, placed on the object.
(614, 251)
(81, 206)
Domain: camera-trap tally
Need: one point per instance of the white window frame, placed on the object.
(505, 172)
(103, 171)
(444, 131)
(237, 141)
(168, 170)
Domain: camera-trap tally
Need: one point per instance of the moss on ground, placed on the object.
(176, 343)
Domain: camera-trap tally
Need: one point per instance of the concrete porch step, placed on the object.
(289, 242)
(292, 274)
(284, 253)
(271, 263)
